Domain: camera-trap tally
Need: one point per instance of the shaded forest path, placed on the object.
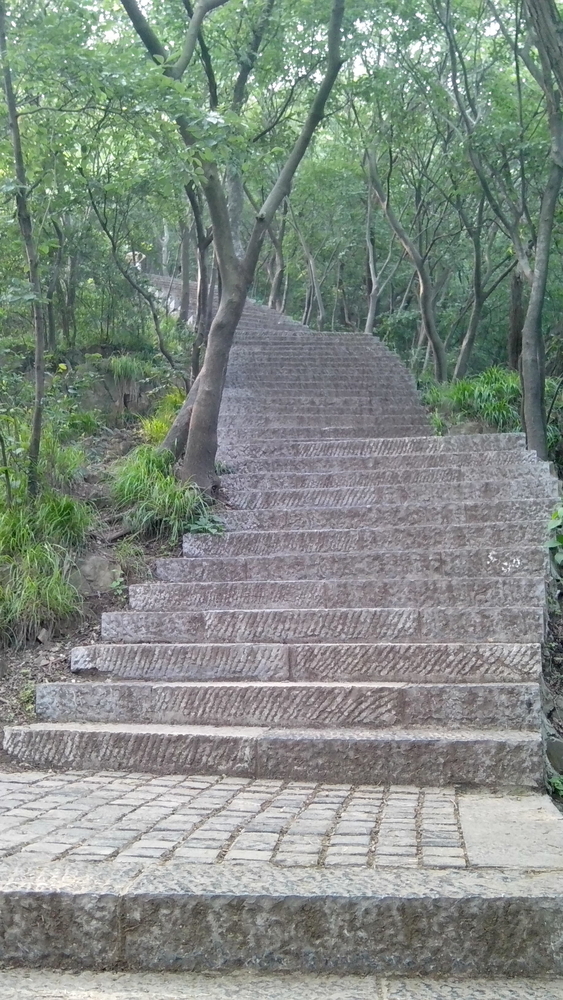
(313, 743)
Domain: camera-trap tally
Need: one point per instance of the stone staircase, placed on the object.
(374, 612)
(371, 619)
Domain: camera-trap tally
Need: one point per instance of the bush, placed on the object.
(153, 502)
(493, 398)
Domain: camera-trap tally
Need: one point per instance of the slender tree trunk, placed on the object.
(533, 376)
(373, 295)
(425, 290)
(478, 300)
(184, 312)
(26, 228)
(516, 321)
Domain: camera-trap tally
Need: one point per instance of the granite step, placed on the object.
(524, 475)
(415, 663)
(459, 443)
(387, 515)
(291, 704)
(485, 489)
(384, 428)
(350, 625)
(489, 460)
(437, 756)
(513, 540)
(399, 592)
(53, 985)
(362, 562)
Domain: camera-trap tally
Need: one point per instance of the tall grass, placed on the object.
(154, 504)
(38, 544)
(493, 398)
(156, 427)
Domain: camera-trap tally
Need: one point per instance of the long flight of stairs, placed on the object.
(373, 615)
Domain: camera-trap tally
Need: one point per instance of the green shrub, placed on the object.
(493, 398)
(153, 502)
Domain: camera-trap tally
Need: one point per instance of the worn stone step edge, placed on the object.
(411, 663)
(49, 985)
(514, 539)
(422, 592)
(312, 704)
(485, 758)
(516, 624)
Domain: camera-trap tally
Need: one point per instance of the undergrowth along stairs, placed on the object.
(373, 616)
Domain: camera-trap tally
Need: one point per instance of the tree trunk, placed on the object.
(533, 376)
(516, 321)
(176, 439)
(28, 238)
(201, 449)
(373, 293)
(184, 313)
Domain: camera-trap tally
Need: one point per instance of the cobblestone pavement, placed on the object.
(220, 820)
(215, 820)
(23, 985)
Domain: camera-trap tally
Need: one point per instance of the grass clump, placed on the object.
(153, 502)
(38, 544)
(156, 427)
(493, 399)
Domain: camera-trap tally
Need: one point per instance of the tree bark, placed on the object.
(176, 439)
(184, 312)
(28, 237)
(515, 321)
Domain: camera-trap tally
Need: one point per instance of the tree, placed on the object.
(236, 272)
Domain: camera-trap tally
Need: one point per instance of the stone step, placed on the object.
(54, 985)
(484, 758)
(362, 563)
(500, 540)
(398, 592)
(500, 490)
(389, 515)
(416, 663)
(524, 475)
(343, 463)
(286, 417)
(459, 443)
(355, 625)
(298, 432)
(291, 704)
(396, 921)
